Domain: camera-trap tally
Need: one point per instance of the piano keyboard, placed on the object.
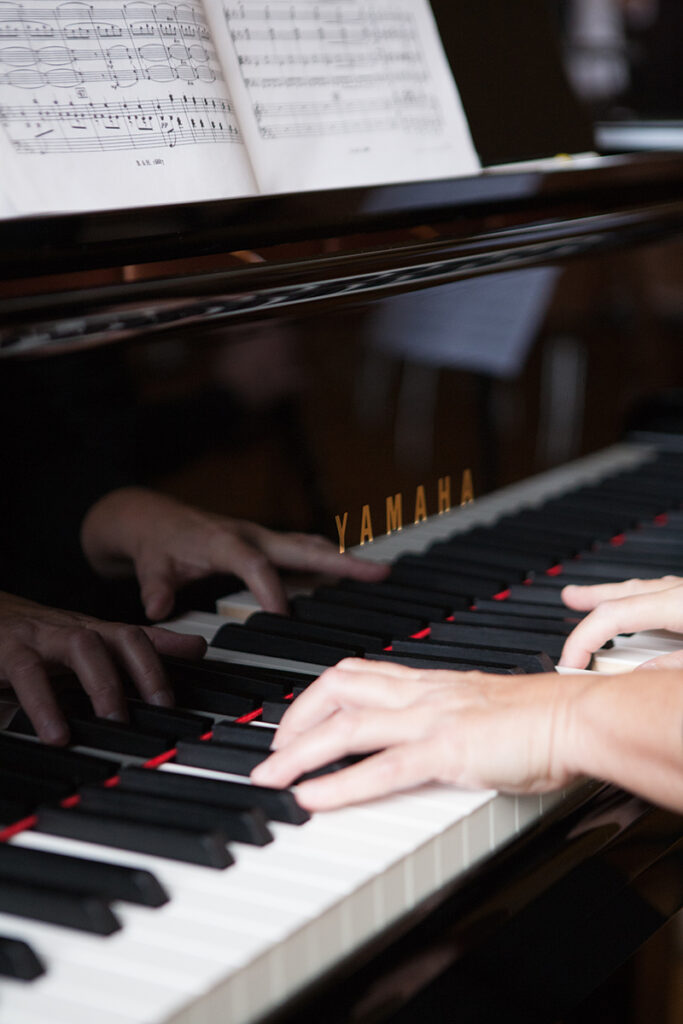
(237, 899)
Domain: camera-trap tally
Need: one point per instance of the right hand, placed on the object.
(35, 639)
(627, 607)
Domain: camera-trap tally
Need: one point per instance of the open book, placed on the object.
(108, 105)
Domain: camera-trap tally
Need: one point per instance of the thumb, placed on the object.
(672, 660)
(157, 589)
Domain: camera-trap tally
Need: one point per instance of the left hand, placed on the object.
(467, 728)
(169, 544)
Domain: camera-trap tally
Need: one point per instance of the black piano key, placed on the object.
(333, 766)
(512, 620)
(658, 541)
(102, 734)
(476, 656)
(282, 625)
(33, 790)
(634, 561)
(500, 557)
(276, 804)
(244, 680)
(612, 518)
(419, 609)
(469, 586)
(516, 541)
(218, 758)
(537, 593)
(273, 711)
(510, 607)
(562, 539)
(200, 699)
(70, 910)
(498, 639)
(171, 723)
(215, 669)
(307, 609)
(80, 875)
(14, 810)
(251, 737)
(560, 580)
(436, 661)
(607, 572)
(485, 572)
(18, 960)
(35, 759)
(238, 638)
(205, 848)
(617, 503)
(446, 603)
(246, 825)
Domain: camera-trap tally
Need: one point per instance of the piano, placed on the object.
(510, 908)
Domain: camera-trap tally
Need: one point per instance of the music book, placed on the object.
(105, 105)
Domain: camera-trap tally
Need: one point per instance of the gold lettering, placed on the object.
(341, 530)
(366, 526)
(467, 491)
(444, 491)
(420, 505)
(394, 513)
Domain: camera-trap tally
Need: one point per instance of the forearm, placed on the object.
(114, 528)
(628, 729)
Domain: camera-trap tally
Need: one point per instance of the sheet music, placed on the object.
(341, 92)
(112, 104)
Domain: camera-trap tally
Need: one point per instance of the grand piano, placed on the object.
(517, 909)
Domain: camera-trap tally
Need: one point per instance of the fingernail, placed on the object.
(54, 733)
(162, 699)
(116, 716)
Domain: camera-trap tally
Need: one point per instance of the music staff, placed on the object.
(169, 122)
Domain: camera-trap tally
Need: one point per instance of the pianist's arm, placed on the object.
(168, 544)
(35, 640)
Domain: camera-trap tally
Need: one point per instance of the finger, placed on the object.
(25, 671)
(672, 660)
(135, 651)
(609, 619)
(336, 690)
(176, 645)
(586, 598)
(316, 554)
(399, 768)
(347, 732)
(86, 653)
(230, 553)
(157, 588)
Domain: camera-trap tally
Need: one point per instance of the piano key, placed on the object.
(469, 586)
(206, 848)
(477, 656)
(308, 610)
(31, 788)
(102, 734)
(14, 810)
(239, 638)
(403, 591)
(499, 556)
(250, 737)
(498, 639)
(273, 710)
(36, 759)
(462, 570)
(247, 680)
(276, 804)
(199, 699)
(282, 625)
(81, 876)
(509, 619)
(537, 593)
(401, 606)
(18, 960)
(516, 607)
(69, 909)
(245, 825)
(599, 571)
(219, 757)
(435, 661)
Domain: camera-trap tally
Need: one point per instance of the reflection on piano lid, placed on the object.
(200, 897)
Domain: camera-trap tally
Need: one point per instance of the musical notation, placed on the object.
(92, 127)
(76, 59)
(315, 68)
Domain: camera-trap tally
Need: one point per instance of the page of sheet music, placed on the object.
(112, 104)
(333, 93)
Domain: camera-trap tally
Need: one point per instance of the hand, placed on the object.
(35, 639)
(623, 608)
(468, 728)
(170, 544)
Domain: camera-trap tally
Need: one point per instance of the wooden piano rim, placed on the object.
(598, 824)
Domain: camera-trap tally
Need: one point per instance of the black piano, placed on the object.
(279, 358)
